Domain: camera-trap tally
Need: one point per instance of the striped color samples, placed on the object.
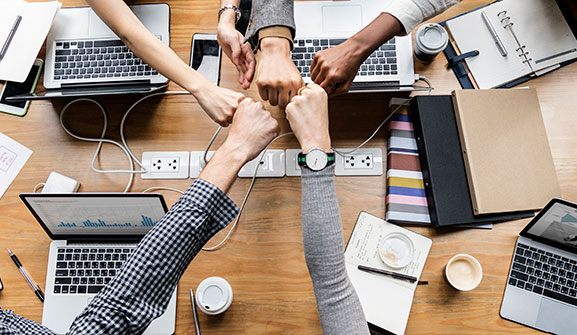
(406, 199)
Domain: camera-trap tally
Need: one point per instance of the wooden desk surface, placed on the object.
(264, 260)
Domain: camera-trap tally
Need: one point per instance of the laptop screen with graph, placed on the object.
(85, 214)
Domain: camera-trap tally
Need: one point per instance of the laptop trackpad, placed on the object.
(342, 19)
(557, 317)
(97, 28)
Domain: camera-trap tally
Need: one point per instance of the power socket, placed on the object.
(165, 165)
(271, 165)
(291, 163)
(362, 162)
(197, 163)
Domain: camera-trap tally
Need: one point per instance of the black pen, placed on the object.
(193, 301)
(395, 275)
(10, 36)
(32, 284)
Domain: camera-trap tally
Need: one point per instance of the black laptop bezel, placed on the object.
(92, 237)
(525, 231)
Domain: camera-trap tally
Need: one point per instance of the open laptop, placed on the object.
(541, 289)
(93, 235)
(85, 58)
(324, 24)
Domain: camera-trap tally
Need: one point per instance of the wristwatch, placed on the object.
(316, 159)
(230, 6)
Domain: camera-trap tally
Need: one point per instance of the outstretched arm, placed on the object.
(340, 310)
(335, 68)
(141, 291)
(218, 103)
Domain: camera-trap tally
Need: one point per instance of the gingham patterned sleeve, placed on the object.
(143, 287)
(13, 324)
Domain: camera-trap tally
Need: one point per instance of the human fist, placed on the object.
(335, 68)
(309, 118)
(252, 129)
(219, 103)
(278, 79)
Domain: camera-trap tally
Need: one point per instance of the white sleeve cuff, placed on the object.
(412, 12)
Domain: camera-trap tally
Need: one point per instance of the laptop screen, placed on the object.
(86, 214)
(556, 223)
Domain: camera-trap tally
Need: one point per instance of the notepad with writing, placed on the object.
(386, 301)
(534, 33)
(505, 150)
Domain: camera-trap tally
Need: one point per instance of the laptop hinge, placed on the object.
(106, 239)
(140, 82)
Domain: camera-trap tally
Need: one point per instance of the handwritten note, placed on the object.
(13, 156)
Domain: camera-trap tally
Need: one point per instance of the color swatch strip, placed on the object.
(406, 199)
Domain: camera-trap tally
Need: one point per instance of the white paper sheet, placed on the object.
(13, 156)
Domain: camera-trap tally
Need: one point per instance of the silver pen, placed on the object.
(498, 42)
(10, 36)
(195, 315)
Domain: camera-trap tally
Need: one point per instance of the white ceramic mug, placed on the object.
(463, 272)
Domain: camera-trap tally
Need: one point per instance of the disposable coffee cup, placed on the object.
(214, 295)
(463, 272)
(430, 40)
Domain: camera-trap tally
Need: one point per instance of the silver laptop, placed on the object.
(541, 289)
(324, 24)
(93, 235)
(85, 58)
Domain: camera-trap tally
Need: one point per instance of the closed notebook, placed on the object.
(444, 175)
(505, 149)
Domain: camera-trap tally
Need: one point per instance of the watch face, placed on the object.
(317, 160)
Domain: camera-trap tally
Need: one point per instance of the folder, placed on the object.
(442, 164)
(36, 21)
(505, 150)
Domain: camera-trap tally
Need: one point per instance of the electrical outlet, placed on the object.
(197, 163)
(291, 163)
(165, 165)
(362, 162)
(271, 165)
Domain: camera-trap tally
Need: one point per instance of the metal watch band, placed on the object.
(230, 6)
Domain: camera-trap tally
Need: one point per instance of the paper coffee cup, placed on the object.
(430, 40)
(214, 295)
(463, 272)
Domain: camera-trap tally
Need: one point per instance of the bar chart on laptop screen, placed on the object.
(98, 215)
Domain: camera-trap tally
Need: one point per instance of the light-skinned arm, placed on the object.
(335, 68)
(219, 103)
(338, 305)
(232, 43)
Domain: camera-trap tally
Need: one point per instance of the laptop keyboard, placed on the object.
(382, 61)
(89, 59)
(544, 273)
(87, 270)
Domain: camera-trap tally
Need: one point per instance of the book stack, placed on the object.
(484, 156)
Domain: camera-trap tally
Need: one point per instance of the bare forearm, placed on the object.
(223, 167)
(118, 16)
(382, 29)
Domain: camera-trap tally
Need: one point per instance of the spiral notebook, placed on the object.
(534, 33)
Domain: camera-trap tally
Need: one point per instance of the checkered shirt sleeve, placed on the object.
(142, 289)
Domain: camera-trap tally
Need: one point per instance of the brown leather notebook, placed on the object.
(505, 149)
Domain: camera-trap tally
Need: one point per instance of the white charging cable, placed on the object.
(124, 146)
(348, 152)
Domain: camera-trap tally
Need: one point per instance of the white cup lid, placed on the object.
(214, 295)
(432, 38)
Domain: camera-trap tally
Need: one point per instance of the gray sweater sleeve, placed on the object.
(268, 13)
(339, 308)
